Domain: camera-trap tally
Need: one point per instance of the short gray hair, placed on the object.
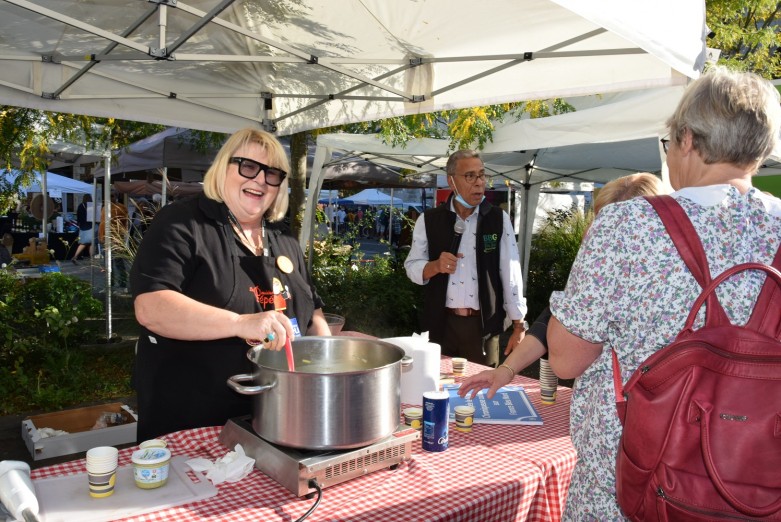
(734, 117)
(457, 156)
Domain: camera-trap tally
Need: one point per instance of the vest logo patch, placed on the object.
(489, 242)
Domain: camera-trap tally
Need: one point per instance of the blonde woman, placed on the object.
(205, 281)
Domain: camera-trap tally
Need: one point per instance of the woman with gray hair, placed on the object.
(213, 273)
(630, 291)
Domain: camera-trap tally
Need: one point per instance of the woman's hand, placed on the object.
(269, 328)
(491, 379)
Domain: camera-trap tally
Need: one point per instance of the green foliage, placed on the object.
(746, 32)
(553, 250)
(375, 296)
(42, 323)
(465, 128)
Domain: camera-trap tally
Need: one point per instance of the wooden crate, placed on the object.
(78, 423)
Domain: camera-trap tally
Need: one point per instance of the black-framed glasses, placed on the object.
(250, 169)
(665, 144)
(471, 177)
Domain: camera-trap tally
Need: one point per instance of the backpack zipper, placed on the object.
(691, 509)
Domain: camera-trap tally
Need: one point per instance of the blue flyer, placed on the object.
(510, 405)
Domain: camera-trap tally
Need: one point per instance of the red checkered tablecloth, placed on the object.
(548, 446)
(493, 473)
(462, 483)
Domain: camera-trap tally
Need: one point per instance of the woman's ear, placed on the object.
(687, 142)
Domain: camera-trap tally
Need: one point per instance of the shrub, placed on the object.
(553, 250)
(41, 322)
(374, 295)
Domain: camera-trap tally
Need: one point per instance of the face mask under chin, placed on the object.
(464, 203)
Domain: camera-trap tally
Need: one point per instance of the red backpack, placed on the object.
(702, 416)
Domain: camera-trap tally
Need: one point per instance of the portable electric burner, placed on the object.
(294, 468)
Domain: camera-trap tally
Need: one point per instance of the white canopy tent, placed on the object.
(375, 198)
(224, 64)
(592, 145)
(55, 184)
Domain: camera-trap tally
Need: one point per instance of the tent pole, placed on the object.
(164, 189)
(390, 221)
(45, 214)
(107, 255)
(322, 155)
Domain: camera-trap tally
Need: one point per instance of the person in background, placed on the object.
(411, 217)
(214, 272)
(6, 249)
(341, 217)
(535, 345)
(630, 291)
(470, 290)
(85, 229)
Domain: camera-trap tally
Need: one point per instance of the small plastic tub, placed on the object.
(153, 443)
(150, 467)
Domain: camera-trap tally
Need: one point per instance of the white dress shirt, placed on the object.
(462, 292)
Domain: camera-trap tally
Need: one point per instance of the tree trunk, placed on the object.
(297, 181)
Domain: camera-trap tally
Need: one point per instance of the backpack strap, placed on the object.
(618, 386)
(685, 238)
(765, 317)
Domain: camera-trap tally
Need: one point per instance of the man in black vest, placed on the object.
(473, 279)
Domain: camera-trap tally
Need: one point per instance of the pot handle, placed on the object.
(234, 382)
(406, 360)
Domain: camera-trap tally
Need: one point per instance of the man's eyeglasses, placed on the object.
(471, 177)
(665, 144)
(250, 169)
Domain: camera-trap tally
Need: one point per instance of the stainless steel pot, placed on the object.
(343, 394)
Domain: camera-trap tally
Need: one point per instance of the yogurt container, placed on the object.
(151, 466)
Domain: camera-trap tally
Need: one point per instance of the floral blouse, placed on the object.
(630, 290)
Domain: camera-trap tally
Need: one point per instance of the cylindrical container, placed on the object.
(422, 374)
(549, 382)
(413, 417)
(344, 392)
(153, 443)
(459, 366)
(150, 467)
(465, 416)
(436, 411)
(102, 464)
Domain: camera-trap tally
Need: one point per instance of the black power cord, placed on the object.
(314, 485)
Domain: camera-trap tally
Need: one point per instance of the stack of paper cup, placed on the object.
(548, 383)
(102, 470)
(459, 366)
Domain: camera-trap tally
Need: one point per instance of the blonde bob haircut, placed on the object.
(628, 187)
(214, 179)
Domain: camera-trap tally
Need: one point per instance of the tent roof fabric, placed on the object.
(54, 183)
(169, 148)
(225, 64)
